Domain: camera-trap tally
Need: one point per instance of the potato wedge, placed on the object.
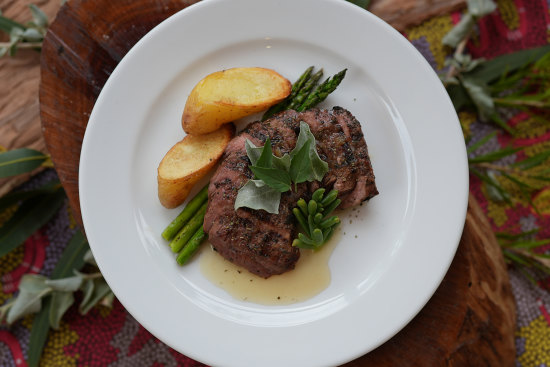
(189, 161)
(228, 95)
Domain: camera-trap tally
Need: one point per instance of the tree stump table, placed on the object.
(470, 320)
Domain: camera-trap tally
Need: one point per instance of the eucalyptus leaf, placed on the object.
(60, 303)
(89, 258)
(7, 24)
(32, 35)
(257, 196)
(480, 96)
(32, 289)
(39, 17)
(15, 197)
(533, 161)
(3, 51)
(460, 31)
(70, 284)
(100, 290)
(33, 283)
(494, 156)
(491, 70)
(18, 161)
(480, 8)
(71, 259)
(87, 290)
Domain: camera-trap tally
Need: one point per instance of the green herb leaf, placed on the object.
(18, 161)
(266, 156)
(255, 194)
(273, 177)
(300, 166)
(316, 167)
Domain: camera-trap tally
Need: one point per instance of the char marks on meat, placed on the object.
(262, 242)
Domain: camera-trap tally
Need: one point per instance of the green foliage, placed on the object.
(28, 35)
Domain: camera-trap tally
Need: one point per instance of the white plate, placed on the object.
(393, 255)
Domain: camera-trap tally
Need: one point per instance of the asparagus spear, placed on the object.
(188, 230)
(296, 87)
(322, 91)
(305, 90)
(190, 209)
(191, 247)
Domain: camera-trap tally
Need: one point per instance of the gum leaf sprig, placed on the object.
(274, 175)
(315, 220)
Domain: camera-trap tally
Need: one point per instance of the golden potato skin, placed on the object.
(228, 95)
(187, 162)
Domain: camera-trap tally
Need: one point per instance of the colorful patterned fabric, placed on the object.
(111, 337)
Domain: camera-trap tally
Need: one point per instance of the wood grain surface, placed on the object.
(470, 321)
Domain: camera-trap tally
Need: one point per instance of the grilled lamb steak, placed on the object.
(262, 242)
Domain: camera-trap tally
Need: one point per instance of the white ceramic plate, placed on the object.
(393, 255)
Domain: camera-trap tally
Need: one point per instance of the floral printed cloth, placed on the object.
(111, 337)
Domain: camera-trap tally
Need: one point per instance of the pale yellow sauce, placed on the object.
(310, 276)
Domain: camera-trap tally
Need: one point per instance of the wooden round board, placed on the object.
(470, 321)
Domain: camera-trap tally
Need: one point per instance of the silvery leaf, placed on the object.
(480, 8)
(70, 284)
(480, 96)
(459, 31)
(29, 300)
(40, 19)
(258, 197)
(32, 35)
(61, 301)
(89, 258)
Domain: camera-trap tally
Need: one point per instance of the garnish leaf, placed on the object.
(300, 166)
(255, 194)
(318, 167)
(273, 177)
(266, 156)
